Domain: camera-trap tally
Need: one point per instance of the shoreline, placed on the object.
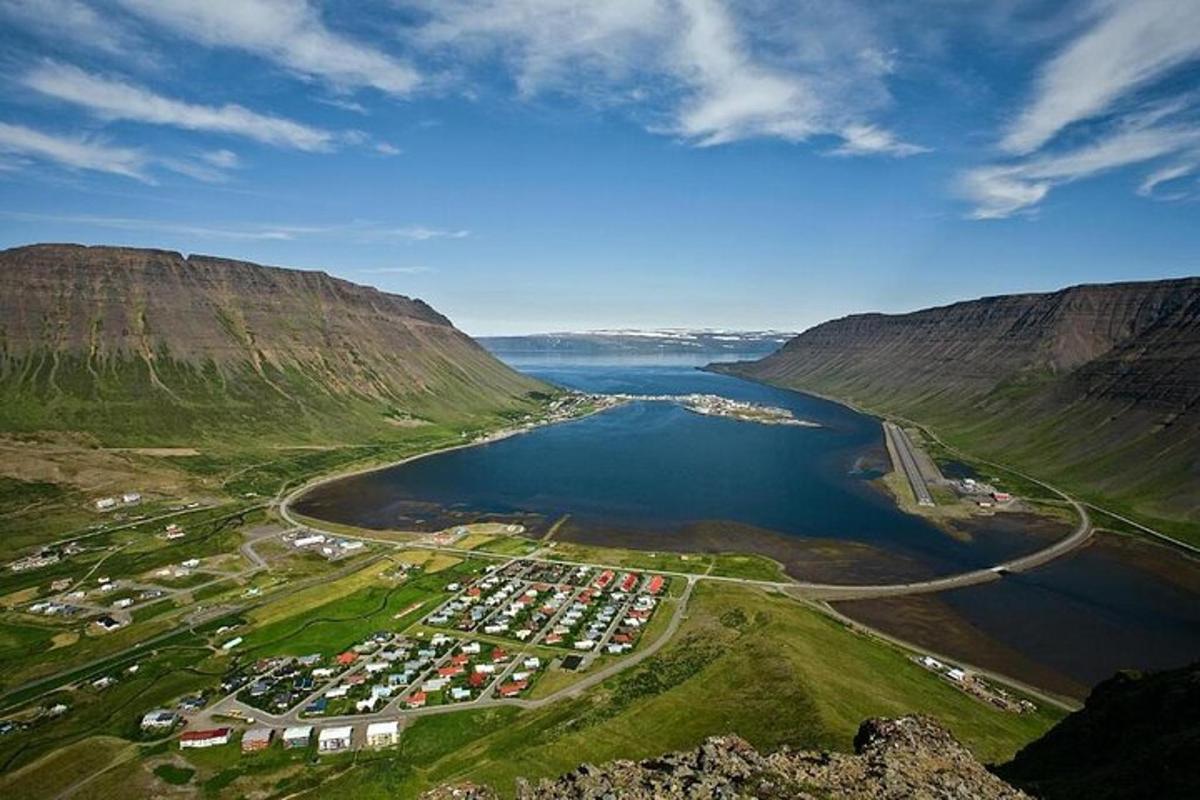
(283, 504)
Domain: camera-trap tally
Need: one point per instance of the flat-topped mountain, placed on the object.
(1096, 386)
(629, 342)
(134, 344)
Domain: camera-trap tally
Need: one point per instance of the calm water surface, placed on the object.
(655, 475)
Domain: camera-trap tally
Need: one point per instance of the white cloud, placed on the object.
(114, 99)
(418, 270)
(383, 148)
(223, 159)
(145, 224)
(73, 21)
(865, 140)
(358, 230)
(1168, 174)
(290, 33)
(1000, 191)
(76, 152)
(1113, 76)
(419, 233)
(696, 68)
(1131, 45)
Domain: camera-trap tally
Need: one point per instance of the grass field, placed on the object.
(734, 565)
(63, 768)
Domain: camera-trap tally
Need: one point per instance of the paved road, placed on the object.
(900, 445)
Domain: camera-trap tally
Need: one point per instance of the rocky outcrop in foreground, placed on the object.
(909, 757)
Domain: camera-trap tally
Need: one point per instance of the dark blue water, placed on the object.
(646, 474)
(656, 467)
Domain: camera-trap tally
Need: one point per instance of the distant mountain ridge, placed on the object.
(131, 343)
(1097, 386)
(633, 342)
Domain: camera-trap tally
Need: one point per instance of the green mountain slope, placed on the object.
(1097, 387)
(146, 346)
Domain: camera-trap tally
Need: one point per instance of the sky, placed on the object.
(546, 165)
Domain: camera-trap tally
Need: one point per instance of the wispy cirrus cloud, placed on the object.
(1129, 46)
(290, 33)
(355, 230)
(694, 69)
(868, 140)
(111, 98)
(72, 21)
(1002, 190)
(415, 270)
(1103, 102)
(74, 151)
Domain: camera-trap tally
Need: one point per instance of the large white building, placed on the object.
(383, 734)
(331, 740)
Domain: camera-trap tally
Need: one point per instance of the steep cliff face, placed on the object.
(1138, 735)
(146, 344)
(1095, 386)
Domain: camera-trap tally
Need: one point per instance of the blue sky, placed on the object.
(529, 165)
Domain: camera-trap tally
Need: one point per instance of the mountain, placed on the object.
(665, 341)
(138, 346)
(1138, 735)
(1096, 387)
(908, 757)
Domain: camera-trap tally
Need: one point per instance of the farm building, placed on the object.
(298, 736)
(209, 738)
(257, 739)
(383, 734)
(331, 740)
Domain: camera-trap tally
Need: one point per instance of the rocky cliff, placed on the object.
(910, 758)
(1097, 387)
(135, 345)
(1138, 735)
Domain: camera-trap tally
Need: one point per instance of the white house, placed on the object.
(383, 734)
(331, 740)
(297, 736)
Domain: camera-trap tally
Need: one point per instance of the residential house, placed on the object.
(331, 740)
(383, 734)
